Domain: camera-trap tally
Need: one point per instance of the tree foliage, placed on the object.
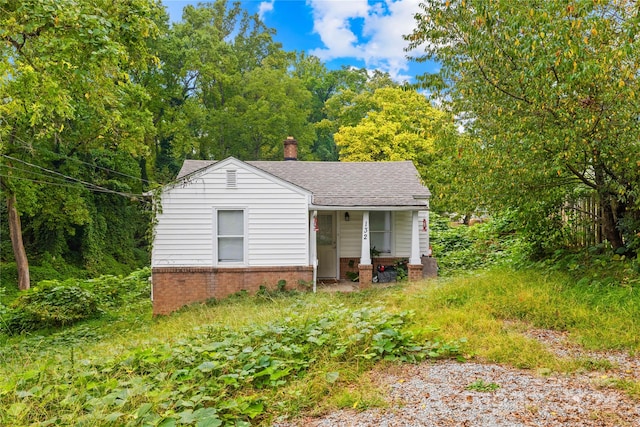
(330, 89)
(392, 124)
(101, 98)
(68, 106)
(397, 125)
(223, 88)
(550, 93)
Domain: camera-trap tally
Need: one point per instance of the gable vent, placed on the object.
(232, 181)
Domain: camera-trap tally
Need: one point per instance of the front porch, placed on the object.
(349, 243)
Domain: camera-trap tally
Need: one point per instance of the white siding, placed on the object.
(277, 218)
(424, 235)
(402, 233)
(350, 237)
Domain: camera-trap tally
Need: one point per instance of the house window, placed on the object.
(380, 227)
(230, 236)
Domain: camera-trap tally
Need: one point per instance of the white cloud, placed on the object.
(379, 44)
(264, 8)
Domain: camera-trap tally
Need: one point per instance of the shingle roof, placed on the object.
(344, 183)
(190, 166)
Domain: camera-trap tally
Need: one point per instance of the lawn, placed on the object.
(248, 360)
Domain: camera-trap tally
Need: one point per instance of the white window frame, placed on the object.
(390, 221)
(244, 236)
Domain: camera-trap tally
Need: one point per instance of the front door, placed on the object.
(326, 239)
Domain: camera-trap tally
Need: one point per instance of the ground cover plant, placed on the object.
(483, 386)
(252, 359)
(217, 375)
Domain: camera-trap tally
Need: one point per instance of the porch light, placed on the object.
(346, 216)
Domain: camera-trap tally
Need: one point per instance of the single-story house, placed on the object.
(231, 225)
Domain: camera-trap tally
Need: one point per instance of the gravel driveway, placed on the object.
(437, 394)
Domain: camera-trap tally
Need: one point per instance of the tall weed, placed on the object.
(247, 360)
(598, 316)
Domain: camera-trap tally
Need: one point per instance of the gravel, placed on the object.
(437, 394)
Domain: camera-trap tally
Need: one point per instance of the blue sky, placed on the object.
(361, 33)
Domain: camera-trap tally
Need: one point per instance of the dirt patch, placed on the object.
(618, 363)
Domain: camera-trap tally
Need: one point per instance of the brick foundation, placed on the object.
(414, 272)
(174, 287)
(348, 264)
(366, 275)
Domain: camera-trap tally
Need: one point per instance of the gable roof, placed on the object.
(191, 166)
(343, 183)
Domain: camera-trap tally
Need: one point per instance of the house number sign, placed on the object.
(365, 230)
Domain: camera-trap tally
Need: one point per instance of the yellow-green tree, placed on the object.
(398, 124)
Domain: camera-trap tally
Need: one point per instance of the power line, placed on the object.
(29, 146)
(64, 182)
(95, 190)
(89, 185)
(31, 172)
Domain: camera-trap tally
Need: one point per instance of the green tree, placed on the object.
(346, 104)
(352, 102)
(66, 90)
(325, 84)
(224, 88)
(399, 124)
(269, 105)
(550, 92)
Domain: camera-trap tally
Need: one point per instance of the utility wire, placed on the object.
(3, 165)
(29, 146)
(89, 185)
(95, 190)
(64, 181)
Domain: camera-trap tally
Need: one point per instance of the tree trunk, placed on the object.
(15, 230)
(610, 209)
(610, 223)
(143, 173)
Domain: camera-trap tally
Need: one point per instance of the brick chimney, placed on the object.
(290, 148)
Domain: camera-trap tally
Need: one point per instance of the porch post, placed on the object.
(313, 247)
(365, 268)
(415, 262)
(365, 252)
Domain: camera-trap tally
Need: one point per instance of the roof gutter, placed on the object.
(421, 207)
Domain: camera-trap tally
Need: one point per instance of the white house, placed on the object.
(229, 225)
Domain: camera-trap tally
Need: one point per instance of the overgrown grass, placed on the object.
(208, 365)
(598, 317)
(254, 359)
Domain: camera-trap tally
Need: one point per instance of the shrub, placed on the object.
(55, 303)
(112, 291)
(464, 248)
(49, 305)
